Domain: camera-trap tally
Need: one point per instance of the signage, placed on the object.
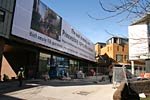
(36, 22)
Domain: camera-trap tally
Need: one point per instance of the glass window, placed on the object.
(117, 48)
(126, 57)
(107, 49)
(73, 66)
(123, 41)
(122, 48)
(2, 16)
(59, 61)
(119, 58)
(44, 63)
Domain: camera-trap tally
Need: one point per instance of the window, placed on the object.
(126, 57)
(122, 48)
(117, 48)
(115, 40)
(44, 62)
(119, 58)
(2, 16)
(107, 49)
(123, 41)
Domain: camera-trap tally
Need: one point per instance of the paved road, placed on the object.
(57, 90)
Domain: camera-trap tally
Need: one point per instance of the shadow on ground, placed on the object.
(4, 97)
(58, 83)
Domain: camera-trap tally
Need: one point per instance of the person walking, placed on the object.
(20, 76)
(110, 75)
(92, 72)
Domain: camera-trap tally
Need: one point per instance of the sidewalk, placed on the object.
(81, 89)
(13, 85)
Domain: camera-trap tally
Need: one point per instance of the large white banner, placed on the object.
(35, 22)
(138, 42)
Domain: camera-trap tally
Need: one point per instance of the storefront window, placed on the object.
(83, 66)
(59, 61)
(57, 65)
(73, 66)
(44, 63)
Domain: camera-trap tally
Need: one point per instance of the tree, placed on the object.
(132, 8)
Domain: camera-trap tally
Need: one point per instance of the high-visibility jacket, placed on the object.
(21, 74)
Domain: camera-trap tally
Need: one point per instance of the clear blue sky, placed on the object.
(75, 13)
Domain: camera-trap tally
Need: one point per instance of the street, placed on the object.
(60, 90)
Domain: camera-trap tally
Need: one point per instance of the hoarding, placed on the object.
(45, 21)
(138, 41)
(37, 23)
(75, 43)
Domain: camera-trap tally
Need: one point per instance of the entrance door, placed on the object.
(21, 57)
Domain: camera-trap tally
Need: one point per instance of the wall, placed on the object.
(138, 41)
(6, 7)
(111, 51)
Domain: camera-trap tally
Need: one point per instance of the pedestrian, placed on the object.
(92, 72)
(20, 76)
(110, 75)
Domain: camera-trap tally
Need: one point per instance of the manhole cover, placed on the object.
(83, 93)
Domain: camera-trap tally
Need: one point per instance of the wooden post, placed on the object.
(132, 67)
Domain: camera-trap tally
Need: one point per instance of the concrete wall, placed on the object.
(6, 7)
(131, 91)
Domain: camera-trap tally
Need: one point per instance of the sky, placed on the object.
(75, 12)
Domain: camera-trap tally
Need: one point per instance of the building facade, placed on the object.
(114, 52)
(98, 47)
(139, 42)
(101, 59)
(117, 49)
(34, 37)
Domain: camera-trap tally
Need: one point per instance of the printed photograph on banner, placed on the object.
(46, 21)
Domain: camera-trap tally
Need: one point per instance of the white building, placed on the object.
(139, 44)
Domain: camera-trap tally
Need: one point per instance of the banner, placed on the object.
(36, 22)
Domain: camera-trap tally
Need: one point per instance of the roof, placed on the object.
(101, 43)
(144, 19)
(118, 38)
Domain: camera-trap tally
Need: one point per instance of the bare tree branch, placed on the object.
(109, 33)
(133, 9)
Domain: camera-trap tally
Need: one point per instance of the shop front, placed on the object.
(56, 64)
(43, 43)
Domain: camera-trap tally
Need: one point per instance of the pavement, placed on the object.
(77, 89)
